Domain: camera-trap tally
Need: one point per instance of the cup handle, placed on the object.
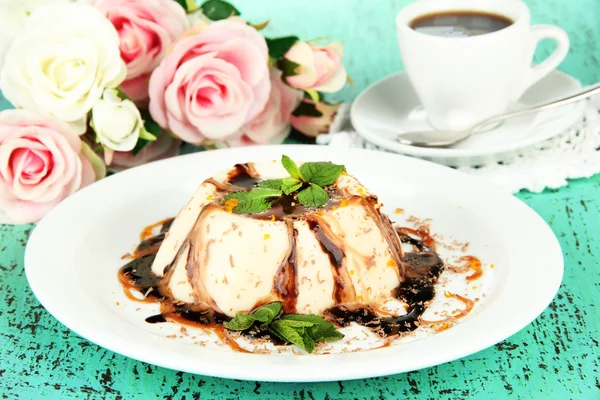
(561, 38)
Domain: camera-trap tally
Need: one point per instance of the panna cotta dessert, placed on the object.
(287, 252)
(309, 257)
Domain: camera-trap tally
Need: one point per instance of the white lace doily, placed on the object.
(573, 154)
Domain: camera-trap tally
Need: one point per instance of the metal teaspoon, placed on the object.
(445, 138)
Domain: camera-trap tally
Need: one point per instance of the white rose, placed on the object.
(61, 62)
(13, 15)
(118, 123)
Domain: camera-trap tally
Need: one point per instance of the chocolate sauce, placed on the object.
(336, 254)
(422, 269)
(150, 245)
(286, 278)
(138, 274)
(342, 292)
(167, 225)
(156, 319)
(243, 175)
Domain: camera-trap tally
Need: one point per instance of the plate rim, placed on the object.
(302, 363)
(458, 153)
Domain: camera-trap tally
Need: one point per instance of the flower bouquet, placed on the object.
(104, 85)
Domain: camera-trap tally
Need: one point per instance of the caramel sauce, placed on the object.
(475, 264)
(422, 232)
(447, 322)
(148, 231)
(421, 269)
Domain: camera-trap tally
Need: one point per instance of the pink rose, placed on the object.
(320, 67)
(147, 29)
(314, 126)
(272, 125)
(165, 146)
(41, 163)
(212, 84)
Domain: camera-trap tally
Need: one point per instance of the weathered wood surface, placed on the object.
(557, 356)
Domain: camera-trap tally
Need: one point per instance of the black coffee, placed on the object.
(460, 23)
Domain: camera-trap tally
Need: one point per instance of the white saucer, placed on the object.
(391, 106)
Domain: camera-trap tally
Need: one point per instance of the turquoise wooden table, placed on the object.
(557, 356)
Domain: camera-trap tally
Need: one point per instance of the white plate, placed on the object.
(391, 106)
(73, 256)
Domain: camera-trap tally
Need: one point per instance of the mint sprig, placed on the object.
(306, 182)
(255, 201)
(293, 332)
(299, 329)
(266, 314)
(321, 330)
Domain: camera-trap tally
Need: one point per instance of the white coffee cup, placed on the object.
(464, 80)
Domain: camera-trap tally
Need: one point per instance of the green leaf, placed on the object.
(267, 313)
(218, 9)
(255, 201)
(290, 185)
(151, 127)
(145, 135)
(291, 167)
(314, 95)
(279, 46)
(297, 324)
(321, 331)
(289, 68)
(308, 109)
(321, 173)
(313, 196)
(260, 26)
(294, 335)
(270, 184)
(240, 322)
(309, 342)
(122, 95)
(191, 6)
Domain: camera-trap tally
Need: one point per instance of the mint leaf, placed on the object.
(295, 335)
(296, 324)
(270, 184)
(279, 46)
(321, 173)
(267, 313)
(240, 322)
(313, 196)
(218, 9)
(290, 185)
(255, 201)
(321, 331)
(287, 185)
(240, 196)
(291, 167)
